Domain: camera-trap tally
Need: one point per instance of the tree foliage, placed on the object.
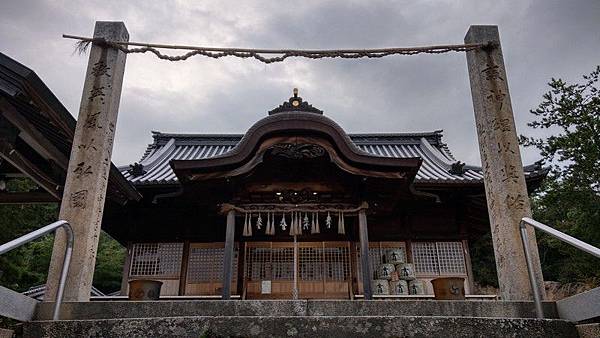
(27, 266)
(569, 199)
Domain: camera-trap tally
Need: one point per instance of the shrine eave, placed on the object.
(37, 133)
(296, 128)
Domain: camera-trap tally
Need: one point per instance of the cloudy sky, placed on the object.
(541, 39)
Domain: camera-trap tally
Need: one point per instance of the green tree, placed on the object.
(569, 199)
(109, 264)
(27, 266)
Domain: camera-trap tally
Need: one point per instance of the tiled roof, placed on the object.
(436, 167)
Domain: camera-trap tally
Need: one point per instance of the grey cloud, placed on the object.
(541, 39)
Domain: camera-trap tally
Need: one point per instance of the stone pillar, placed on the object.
(505, 188)
(87, 176)
(228, 255)
(365, 266)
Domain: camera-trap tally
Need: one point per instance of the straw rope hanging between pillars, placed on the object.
(299, 220)
(218, 52)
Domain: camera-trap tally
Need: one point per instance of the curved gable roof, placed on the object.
(304, 128)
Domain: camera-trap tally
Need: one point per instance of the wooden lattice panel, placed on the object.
(258, 264)
(310, 261)
(161, 260)
(323, 269)
(439, 258)
(205, 262)
(336, 265)
(282, 260)
(425, 258)
(451, 258)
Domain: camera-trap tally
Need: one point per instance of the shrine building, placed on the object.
(289, 206)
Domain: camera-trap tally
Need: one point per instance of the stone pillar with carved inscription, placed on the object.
(87, 177)
(505, 187)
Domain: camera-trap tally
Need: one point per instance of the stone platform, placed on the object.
(377, 318)
(265, 308)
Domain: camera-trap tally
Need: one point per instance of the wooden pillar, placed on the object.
(185, 261)
(228, 255)
(87, 176)
(365, 265)
(126, 269)
(505, 187)
(468, 266)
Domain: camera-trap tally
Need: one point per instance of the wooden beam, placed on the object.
(241, 268)
(126, 268)
(27, 197)
(228, 256)
(33, 136)
(49, 104)
(365, 265)
(20, 162)
(185, 259)
(467, 254)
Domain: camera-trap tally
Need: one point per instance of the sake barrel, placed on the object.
(406, 271)
(416, 287)
(384, 271)
(394, 256)
(380, 287)
(399, 287)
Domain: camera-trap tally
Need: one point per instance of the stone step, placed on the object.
(258, 308)
(303, 326)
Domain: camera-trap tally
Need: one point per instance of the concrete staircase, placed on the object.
(378, 318)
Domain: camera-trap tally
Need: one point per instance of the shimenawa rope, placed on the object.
(216, 52)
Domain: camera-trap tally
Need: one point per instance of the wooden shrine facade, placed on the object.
(285, 210)
(265, 270)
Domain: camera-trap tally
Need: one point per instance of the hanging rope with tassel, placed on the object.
(314, 229)
(247, 232)
(341, 225)
(270, 225)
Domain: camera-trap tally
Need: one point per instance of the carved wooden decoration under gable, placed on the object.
(297, 151)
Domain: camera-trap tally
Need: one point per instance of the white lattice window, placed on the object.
(451, 258)
(282, 260)
(438, 258)
(206, 264)
(156, 259)
(310, 261)
(425, 258)
(336, 265)
(258, 264)
(270, 264)
(375, 258)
